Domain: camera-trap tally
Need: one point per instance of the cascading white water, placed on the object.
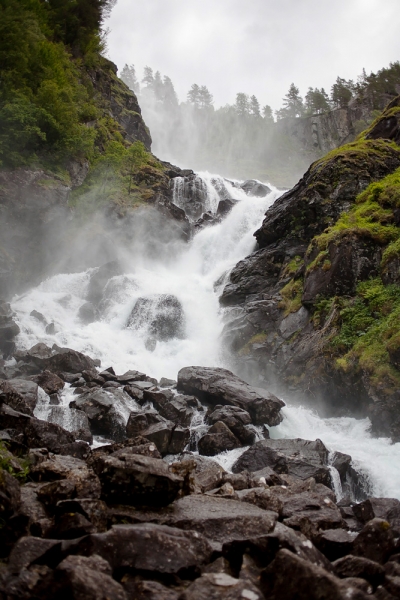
(189, 273)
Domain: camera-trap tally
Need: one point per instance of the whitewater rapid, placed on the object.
(195, 273)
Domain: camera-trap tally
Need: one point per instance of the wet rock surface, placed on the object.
(220, 386)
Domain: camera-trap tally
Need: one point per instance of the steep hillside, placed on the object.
(72, 139)
(317, 306)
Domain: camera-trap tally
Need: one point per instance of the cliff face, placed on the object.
(41, 206)
(317, 306)
(318, 134)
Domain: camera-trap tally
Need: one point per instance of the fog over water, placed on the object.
(194, 273)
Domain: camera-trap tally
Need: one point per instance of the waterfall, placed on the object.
(192, 274)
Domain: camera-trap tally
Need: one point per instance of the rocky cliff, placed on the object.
(42, 206)
(316, 306)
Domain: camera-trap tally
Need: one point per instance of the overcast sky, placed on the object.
(255, 46)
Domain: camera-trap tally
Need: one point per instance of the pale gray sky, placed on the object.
(255, 46)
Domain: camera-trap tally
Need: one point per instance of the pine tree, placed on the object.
(268, 114)
(292, 103)
(254, 107)
(170, 97)
(341, 92)
(128, 76)
(205, 98)
(193, 95)
(148, 77)
(242, 104)
(158, 86)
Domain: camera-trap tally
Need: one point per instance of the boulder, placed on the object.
(161, 316)
(149, 547)
(141, 589)
(217, 439)
(49, 382)
(138, 422)
(84, 483)
(381, 508)
(105, 411)
(20, 394)
(137, 445)
(236, 419)
(176, 408)
(219, 519)
(56, 359)
(136, 480)
(375, 541)
(208, 474)
(8, 330)
(335, 543)
(298, 458)
(255, 188)
(216, 386)
(290, 576)
(359, 566)
(10, 495)
(34, 432)
(311, 512)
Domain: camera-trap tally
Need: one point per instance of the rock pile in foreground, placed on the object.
(120, 522)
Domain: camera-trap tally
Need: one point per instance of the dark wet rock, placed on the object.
(95, 511)
(131, 376)
(29, 550)
(290, 576)
(216, 586)
(167, 383)
(136, 390)
(49, 382)
(334, 543)
(56, 359)
(225, 207)
(311, 512)
(71, 525)
(8, 330)
(87, 313)
(20, 394)
(375, 541)
(342, 462)
(99, 279)
(149, 547)
(268, 476)
(381, 508)
(81, 480)
(167, 437)
(236, 419)
(298, 458)
(10, 495)
(261, 497)
(161, 315)
(359, 566)
(218, 438)
(86, 578)
(219, 386)
(136, 480)
(255, 188)
(140, 589)
(103, 410)
(207, 473)
(351, 260)
(176, 408)
(219, 519)
(38, 316)
(138, 422)
(34, 432)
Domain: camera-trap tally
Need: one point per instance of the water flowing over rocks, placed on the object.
(120, 519)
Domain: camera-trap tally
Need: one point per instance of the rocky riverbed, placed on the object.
(119, 521)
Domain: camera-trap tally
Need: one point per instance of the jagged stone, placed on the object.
(220, 386)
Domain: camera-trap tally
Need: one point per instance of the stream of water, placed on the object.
(193, 273)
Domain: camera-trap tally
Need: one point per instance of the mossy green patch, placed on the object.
(369, 328)
(291, 296)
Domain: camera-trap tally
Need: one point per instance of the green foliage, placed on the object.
(113, 175)
(45, 98)
(369, 327)
(258, 338)
(293, 266)
(18, 468)
(291, 296)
